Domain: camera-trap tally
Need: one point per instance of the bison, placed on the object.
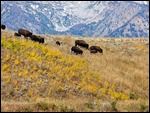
(93, 51)
(97, 48)
(76, 50)
(3, 26)
(25, 33)
(81, 43)
(37, 38)
(58, 43)
(17, 34)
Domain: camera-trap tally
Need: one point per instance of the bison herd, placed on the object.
(27, 34)
(83, 44)
(75, 49)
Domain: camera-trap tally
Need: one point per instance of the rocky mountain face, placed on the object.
(79, 18)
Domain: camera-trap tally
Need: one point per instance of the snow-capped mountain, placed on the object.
(81, 18)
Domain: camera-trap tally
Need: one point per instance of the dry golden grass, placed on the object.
(74, 105)
(124, 63)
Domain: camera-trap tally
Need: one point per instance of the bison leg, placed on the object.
(75, 44)
(26, 37)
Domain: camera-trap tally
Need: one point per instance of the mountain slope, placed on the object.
(81, 18)
(133, 26)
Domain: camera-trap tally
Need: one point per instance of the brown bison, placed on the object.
(58, 43)
(3, 26)
(97, 48)
(25, 33)
(17, 34)
(76, 50)
(81, 43)
(37, 38)
(93, 51)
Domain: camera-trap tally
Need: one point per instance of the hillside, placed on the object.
(47, 77)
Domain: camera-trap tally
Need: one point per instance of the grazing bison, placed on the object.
(76, 50)
(97, 48)
(3, 26)
(58, 43)
(93, 51)
(17, 34)
(37, 38)
(25, 33)
(81, 43)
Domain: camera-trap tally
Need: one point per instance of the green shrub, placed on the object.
(89, 105)
(113, 106)
(143, 107)
(42, 105)
(133, 96)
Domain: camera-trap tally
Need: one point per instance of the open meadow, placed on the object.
(48, 77)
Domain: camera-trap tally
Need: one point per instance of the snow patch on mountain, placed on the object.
(142, 2)
(82, 18)
(34, 6)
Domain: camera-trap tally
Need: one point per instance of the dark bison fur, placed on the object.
(24, 32)
(3, 26)
(93, 51)
(37, 38)
(58, 43)
(76, 50)
(97, 48)
(17, 34)
(81, 43)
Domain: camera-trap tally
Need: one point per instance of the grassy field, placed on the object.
(47, 77)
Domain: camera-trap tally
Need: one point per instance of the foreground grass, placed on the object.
(74, 105)
(51, 78)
